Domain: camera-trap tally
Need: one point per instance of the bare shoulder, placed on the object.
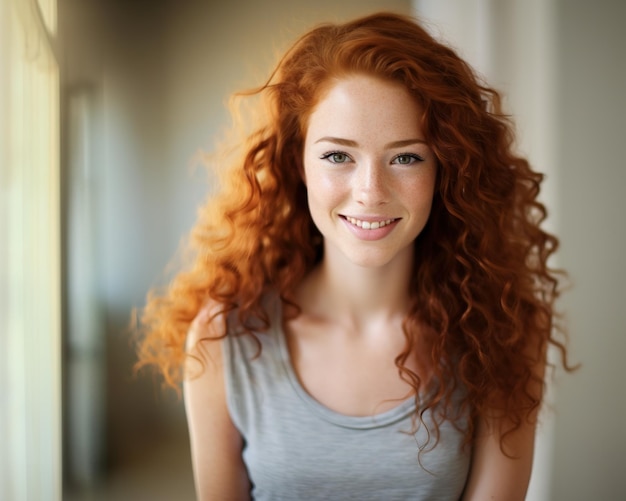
(203, 342)
(216, 444)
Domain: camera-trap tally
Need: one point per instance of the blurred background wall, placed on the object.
(589, 434)
(144, 86)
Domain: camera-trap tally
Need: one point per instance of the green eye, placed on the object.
(336, 157)
(404, 159)
(407, 159)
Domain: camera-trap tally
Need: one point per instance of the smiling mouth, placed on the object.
(369, 225)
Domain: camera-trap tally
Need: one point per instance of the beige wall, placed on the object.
(590, 437)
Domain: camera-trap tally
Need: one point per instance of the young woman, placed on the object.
(370, 305)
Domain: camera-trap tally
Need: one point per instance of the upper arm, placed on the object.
(498, 474)
(216, 445)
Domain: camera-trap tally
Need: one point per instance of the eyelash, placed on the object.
(326, 156)
(413, 156)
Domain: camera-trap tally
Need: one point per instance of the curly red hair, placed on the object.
(482, 282)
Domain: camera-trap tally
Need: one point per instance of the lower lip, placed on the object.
(370, 235)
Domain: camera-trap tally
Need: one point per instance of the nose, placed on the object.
(371, 184)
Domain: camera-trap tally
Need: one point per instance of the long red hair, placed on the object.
(482, 282)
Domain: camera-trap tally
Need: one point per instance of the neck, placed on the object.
(359, 296)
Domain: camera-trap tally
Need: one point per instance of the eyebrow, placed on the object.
(349, 142)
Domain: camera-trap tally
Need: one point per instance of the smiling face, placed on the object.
(369, 174)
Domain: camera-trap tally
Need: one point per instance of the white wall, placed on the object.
(590, 432)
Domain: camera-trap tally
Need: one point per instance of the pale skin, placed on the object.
(364, 160)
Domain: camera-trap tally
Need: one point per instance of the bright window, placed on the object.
(30, 333)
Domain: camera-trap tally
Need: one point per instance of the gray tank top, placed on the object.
(297, 449)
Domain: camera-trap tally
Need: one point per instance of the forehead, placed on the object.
(365, 106)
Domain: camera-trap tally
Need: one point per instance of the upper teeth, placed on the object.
(367, 225)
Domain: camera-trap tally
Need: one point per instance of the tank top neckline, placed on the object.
(401, 411)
